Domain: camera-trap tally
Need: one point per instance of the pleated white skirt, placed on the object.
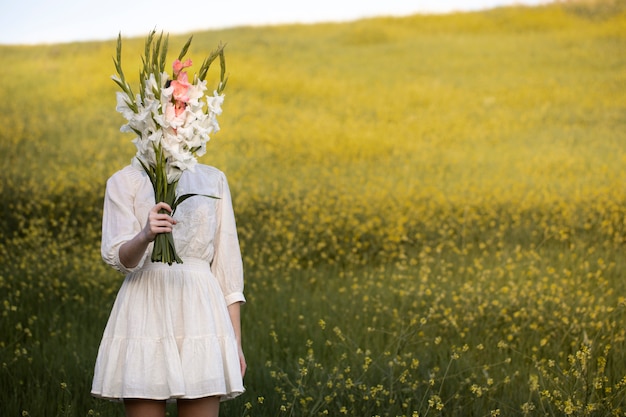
(169, 336)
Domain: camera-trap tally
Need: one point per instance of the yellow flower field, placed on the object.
(431, 211)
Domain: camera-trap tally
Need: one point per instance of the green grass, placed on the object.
(431, 213)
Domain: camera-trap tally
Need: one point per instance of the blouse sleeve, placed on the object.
(227, 265)
(119, 223)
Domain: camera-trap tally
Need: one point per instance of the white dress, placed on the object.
(169, 334)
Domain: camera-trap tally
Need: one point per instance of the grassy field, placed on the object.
(432, 213)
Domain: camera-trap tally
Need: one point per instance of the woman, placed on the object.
(174, 331)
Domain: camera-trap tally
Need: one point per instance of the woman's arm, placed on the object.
(131, 251)
(234, 310)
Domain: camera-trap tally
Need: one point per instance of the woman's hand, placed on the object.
(130, 253)
(234, 311)
(242, 362)
(158, 222)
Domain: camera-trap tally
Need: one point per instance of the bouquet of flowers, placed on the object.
(172, 120)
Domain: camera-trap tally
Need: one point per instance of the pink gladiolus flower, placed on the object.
(180, 95)
(179, 66)
(181, 86)
(179, 108)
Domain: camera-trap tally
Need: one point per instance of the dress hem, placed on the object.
(171, 398)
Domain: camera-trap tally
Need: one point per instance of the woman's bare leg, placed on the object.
(202, 407)
(144, 408)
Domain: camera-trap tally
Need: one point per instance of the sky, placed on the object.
(45, 21)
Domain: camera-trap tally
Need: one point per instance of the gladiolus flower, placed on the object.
(179, 66)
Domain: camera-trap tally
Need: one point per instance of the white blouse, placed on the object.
(205, 227)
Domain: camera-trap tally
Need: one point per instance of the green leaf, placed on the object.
(206, 64)
(223, 78)
(184, 197)
(163, 57)
(149, 172)
(121, 82)
(185, 48)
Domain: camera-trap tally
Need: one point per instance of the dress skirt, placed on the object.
(169, 336)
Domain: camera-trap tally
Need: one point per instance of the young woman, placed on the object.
(174, 331)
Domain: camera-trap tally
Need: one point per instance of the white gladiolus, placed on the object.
(182, 136)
